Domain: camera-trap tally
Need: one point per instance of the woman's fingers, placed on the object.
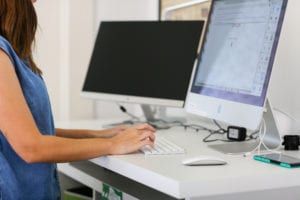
(145, 127)
(133, 138)
(147, 135)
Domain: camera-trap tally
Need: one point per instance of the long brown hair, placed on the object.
(18, 24)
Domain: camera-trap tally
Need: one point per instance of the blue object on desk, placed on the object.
(279, 159)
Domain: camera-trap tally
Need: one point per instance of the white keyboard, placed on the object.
(162, 146)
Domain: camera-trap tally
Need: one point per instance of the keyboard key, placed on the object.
(162, 146)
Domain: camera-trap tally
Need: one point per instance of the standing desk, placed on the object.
(164, 177)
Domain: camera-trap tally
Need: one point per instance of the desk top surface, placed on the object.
(168, 175)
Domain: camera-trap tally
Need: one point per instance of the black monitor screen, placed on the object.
(144, 58)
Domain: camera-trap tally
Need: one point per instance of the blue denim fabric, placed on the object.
(19, 180)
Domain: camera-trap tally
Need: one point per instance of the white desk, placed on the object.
(241, 178)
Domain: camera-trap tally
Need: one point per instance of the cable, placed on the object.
(262, 140)
(291, 131)
(134, 118)
(195, 127)
(261, 135)
(285, 113)
(219, 126)
(220, 131)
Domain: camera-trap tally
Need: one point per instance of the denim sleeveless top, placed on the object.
(18, 179)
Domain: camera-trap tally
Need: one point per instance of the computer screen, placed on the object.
(143, 62)
(234, 66)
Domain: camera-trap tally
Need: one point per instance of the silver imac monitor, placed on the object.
(143, 62)
(231, 77)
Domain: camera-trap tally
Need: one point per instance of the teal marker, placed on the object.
(285, 165)
(274, 162)
(261, 159)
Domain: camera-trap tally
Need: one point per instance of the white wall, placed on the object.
(47, 47)
(81, 42)
(285, 83)
(64, 44)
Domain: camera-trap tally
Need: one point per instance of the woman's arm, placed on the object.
(19, 128)
(39, 148)
(86, 133)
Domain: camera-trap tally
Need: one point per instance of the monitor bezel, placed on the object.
(142, 100)
(132, 99)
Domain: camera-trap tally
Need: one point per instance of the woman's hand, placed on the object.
(110, 132)
(132, 138)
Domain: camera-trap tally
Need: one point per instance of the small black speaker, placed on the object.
(291, 142)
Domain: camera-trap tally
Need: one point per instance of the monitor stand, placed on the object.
(150, 118)
(271, 139)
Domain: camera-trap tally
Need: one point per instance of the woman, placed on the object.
(29, 144)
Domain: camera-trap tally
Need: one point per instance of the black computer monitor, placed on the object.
(144, 62)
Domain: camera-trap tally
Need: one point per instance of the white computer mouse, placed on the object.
(203, 160)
